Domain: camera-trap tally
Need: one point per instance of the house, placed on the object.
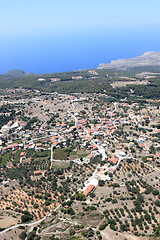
(15, 146)
(141, 145)
(111, 170)
(93, 147)
(108, 134)
(88, 190)
(145, 117)
(63, 125)
(39, 146)
(153, 139)
(23, 154)
(121, 154)
(37, 173)
(89, 157)
(131, 144)
(157, 131)
(26, 146)
(22, 125)
(140, 140)
(113, 160)
(27, 136)
(9, 147)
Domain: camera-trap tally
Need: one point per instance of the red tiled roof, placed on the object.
(38, 144)
(111, 169)
(90, 155)
(157, 130)
(23, 154)
(37, 172)
(15, 144)
(114, 160)
(88, 189)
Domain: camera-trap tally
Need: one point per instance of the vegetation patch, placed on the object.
(61, 154)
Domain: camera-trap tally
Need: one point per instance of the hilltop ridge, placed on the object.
(151, 58)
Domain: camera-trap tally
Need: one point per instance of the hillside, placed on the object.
(142, 81)
(147, 59)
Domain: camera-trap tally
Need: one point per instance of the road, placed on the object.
(147, 128)
(101, 150)
(72, 115)
(29, 224)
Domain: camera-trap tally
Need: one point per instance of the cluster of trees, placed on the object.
(31, 235)
(151, 91)
(26, 217)
(30, 123)
(132, 186)
(4, 119)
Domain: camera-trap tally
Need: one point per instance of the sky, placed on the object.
(56, 36)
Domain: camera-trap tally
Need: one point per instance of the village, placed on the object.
(80, 139)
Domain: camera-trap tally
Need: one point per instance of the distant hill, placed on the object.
(17, 72)
(147, 59)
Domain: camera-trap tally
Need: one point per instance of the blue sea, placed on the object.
(67, 51)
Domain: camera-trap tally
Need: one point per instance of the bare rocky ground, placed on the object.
(125, 83)
(108, 234)
(8, 218)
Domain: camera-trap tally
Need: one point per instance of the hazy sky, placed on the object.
(50, 36)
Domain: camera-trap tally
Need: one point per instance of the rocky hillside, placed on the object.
(147, 59)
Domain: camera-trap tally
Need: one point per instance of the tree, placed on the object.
(155, 192)
(35, 205)
(110, 175)
(72, 232)
(157, 203)
(101, 183)
(92, 195)
(23, 235)
(123, 227)
(31, 235)
(157, 232)
(80, 197)
(152, 149)
(112, 226)
(70, 211)
(26, 217)
(114, 201)
(103, 226)
(148, 189)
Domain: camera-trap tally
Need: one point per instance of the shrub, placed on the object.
(103, 226)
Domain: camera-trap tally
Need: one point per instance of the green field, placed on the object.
(44, 154)
(4, 158)
(60, 154)
(73, 153)
(17, 156)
